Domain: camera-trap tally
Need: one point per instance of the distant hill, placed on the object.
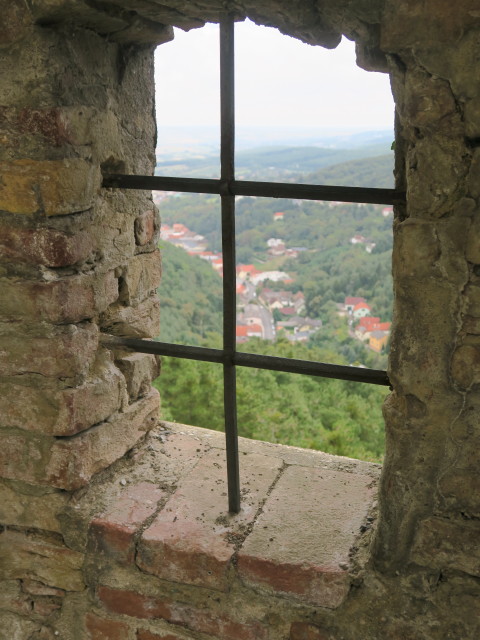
(374, 172)
(276, 163)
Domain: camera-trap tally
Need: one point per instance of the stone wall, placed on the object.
(77, 260)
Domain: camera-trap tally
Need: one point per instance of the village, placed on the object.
(267, 313)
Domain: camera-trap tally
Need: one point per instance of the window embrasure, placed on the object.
(228, 187)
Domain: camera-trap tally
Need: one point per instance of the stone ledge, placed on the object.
(165, 512)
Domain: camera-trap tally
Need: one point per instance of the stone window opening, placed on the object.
(91, 491)
(228, 187)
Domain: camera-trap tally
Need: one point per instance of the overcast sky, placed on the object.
(279, 81)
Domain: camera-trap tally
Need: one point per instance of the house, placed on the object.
(350, 302)
(387, 211)
(358, 239)
(278, 217)
(370, 323)
(378, 340)
(360, 310)
(275, 276)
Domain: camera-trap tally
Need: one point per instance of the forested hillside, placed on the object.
(191, 298)
(330, 251)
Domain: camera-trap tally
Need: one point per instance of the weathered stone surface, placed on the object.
(140, 321)
(49, 187)
(146, 227)
(65, 412)
(446, 544)
(418, 248)
(139, 370)
(61, 352)
(74, 461)
(25, 556)
(47, 247)
(15, 23)
(300, 543)
(29, 510)
(69, 463)
(474, 175)
(141, 278)
(112, 533)
(192, 539)
(67, 300)
(460, 491)
(305, 631)
(466, 366)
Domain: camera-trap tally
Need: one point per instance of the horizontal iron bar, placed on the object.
(257, 361)
(259, 189)
(164, 348)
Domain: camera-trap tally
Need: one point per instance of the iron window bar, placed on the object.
(227, 188)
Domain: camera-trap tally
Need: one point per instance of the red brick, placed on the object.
(113, 532)
(144, 634)
(60, 352)
(137, 605)
(301, 541)
(105, 629)
(47, 247)
(146, 226)
(305, 631)
(192, 539)
(68, 300)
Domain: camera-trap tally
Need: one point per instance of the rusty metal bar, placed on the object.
(227, 175)
(258, 189)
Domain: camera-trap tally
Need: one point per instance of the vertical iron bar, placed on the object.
(227, 162)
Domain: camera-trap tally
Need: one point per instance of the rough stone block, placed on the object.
(446, 544)
(75, 460)
(417, 248)
(192, 539)
(112, 533)
(69, 463)
(35, 588)
(137, 605)
(141, 277)
(15, 626)
(146, 227)
(65, 412)
(24, 556)
(67, 300)
(106, 629)
(141, 321)
(16, 21)
(460, 490)
(58, 352)
(139, 370)
(47, 247)
(51, 187)
(30, 510)
(301, 541)
(465, 367)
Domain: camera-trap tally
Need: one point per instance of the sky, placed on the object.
(279, 81)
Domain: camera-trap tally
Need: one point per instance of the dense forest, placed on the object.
(331, 415)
